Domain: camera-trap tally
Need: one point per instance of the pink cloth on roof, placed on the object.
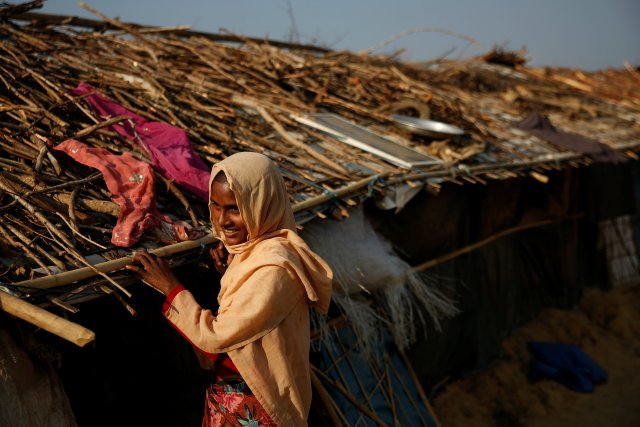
(132, 184)
(169, 147)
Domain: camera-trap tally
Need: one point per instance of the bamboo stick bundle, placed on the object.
(239, 96)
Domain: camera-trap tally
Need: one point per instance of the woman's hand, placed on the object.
(221, 258)
(154, 271)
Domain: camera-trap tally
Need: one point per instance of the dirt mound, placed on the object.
(606, 326)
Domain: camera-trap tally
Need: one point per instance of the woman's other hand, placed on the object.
(154, 271)
(221, 258)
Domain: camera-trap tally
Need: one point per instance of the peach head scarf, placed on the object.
(266, 211)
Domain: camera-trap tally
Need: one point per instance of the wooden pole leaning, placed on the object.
(70, 331)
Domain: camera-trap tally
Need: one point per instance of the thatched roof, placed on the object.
(231, 93)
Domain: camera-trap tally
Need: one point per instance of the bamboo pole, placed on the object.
(25, 248)
(271, 121)
(70, 331)
(493, 167)
(451, 255)
(341, 192)
(68, 277)
(180, 30)
(332, 409)
(97, 126)
(360, 407)
(418, 385)
(295, 142)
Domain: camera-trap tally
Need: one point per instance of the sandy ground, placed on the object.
(606, 326)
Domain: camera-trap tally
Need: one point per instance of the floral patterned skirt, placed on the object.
(233, 404)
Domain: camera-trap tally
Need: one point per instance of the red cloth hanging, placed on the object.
(130, 181)
(169, 147)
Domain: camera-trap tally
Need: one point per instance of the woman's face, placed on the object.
(223, 209)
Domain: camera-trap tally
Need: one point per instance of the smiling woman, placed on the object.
(257, 344)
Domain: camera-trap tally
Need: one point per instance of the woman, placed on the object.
(270, 278)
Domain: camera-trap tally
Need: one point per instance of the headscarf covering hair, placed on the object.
(263, 202)
(261, 196)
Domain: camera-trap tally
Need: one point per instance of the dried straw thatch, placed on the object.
(231, 93)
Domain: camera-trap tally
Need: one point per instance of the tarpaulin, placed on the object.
(383, 384)
(540, 126)
(169, 147)
(130, 181)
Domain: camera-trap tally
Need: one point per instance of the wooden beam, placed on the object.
(75, 21)
(70, 331)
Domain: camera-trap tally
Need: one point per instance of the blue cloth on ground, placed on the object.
(567, 364)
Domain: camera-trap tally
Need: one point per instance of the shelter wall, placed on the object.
(505, 283)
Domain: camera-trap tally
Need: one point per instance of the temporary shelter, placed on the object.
(454, 200)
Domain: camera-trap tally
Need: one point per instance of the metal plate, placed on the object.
(363, 138)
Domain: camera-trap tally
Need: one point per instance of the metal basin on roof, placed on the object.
(424, 127)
